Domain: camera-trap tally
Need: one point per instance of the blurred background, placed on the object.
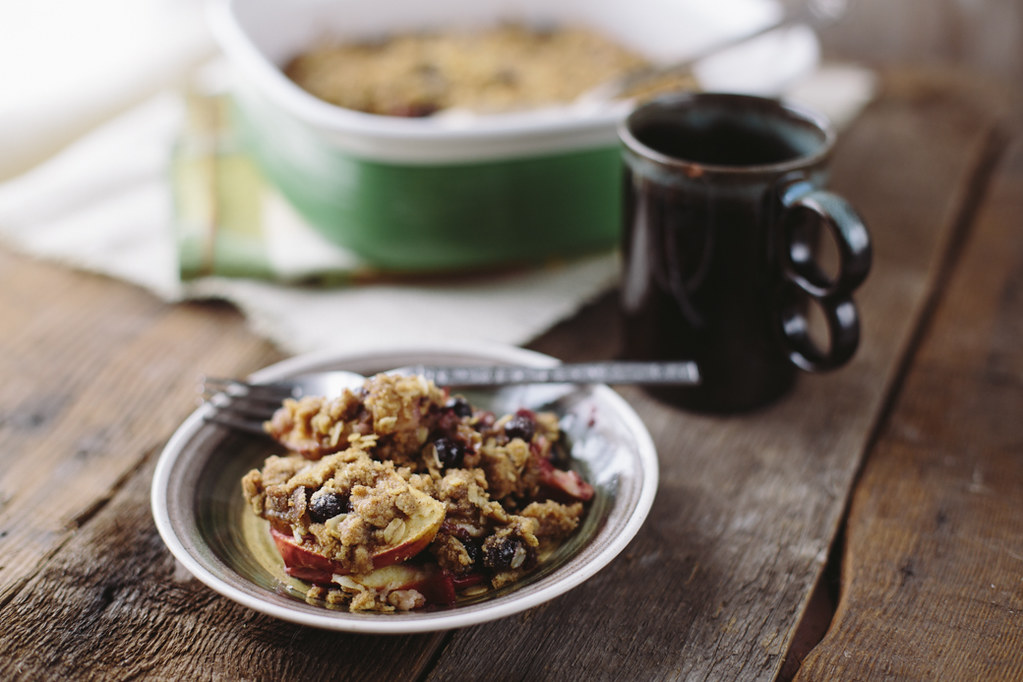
(93, 58)
(942, 33)
(66, 66)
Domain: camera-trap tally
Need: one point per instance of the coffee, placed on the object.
(717, 190)
(722, 144)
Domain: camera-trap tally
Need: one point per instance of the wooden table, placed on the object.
(869, 526)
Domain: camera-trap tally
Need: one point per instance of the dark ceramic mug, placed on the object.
(724, 205)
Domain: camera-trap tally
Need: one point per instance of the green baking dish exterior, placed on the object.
(440, 217)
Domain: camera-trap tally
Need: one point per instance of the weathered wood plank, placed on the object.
(112, 604)
(745, 514)
(88, 590)
(95, 374)
(715, 584)
(932, 584)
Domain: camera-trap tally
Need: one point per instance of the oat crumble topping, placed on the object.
(396, 496)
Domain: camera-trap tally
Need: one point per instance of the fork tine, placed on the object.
(265, 403)
(244, 406)
(235, 387)
(240, 405)
(246, 425)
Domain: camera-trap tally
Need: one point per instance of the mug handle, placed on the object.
(805, 210)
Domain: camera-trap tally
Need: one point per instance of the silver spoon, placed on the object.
(816, 13)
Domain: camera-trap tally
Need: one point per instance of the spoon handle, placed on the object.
(626, 372)
(816, 13)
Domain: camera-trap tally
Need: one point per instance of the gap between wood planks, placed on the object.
(824, 598)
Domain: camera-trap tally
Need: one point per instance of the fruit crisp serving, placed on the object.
(399, 496)
(505, 68)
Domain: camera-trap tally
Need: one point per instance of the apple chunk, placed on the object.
(420, 529)
(437, 586)
(302, 561)
(562, 485)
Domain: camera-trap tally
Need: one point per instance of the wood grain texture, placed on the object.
(932, 584)
(715, 583)
(95, 374)
(113, 604)
(98, 374)
(744, 517)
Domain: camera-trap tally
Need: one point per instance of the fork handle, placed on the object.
(626, 372)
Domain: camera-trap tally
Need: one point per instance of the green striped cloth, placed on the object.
(230, 222)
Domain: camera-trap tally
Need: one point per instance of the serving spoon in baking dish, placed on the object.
(814, 13)
(246, 405)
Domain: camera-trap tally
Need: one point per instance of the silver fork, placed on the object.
(245, 406)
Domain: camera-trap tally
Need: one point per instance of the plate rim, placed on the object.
(646, 464)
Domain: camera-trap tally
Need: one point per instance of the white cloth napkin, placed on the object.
(103, 204)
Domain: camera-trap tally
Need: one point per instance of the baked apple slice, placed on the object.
(302, 561)
(436, 586)
(420, 529)
(563, 485)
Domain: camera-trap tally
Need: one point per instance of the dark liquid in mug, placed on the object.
(723, 144)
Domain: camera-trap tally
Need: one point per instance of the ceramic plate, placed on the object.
(201, 515)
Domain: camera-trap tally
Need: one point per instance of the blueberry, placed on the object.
(502, 554)
(460, 406)
(450, 453)
(475, 551)
(520, 426)
(561, 453)
(328, 505)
